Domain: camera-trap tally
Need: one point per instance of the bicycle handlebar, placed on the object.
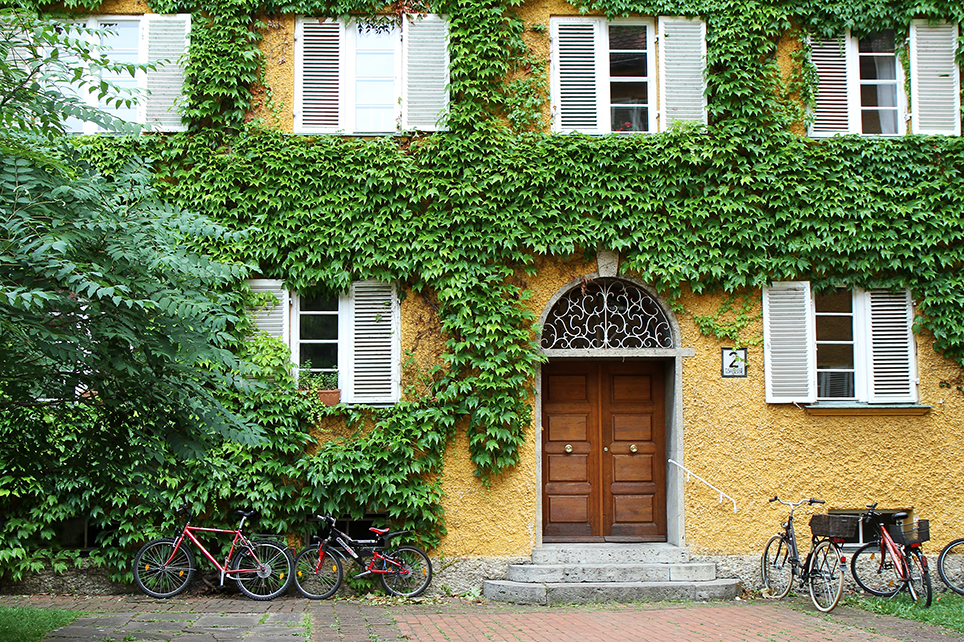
(805, 500)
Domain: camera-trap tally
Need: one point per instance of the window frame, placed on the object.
(348, 40)
(801, 316)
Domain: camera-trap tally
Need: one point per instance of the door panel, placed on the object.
(604, 457)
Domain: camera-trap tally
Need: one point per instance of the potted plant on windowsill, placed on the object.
(324, 384)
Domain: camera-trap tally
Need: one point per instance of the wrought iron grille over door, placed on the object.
(606, 314)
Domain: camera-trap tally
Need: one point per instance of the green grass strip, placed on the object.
(26, 624)
(947, 609)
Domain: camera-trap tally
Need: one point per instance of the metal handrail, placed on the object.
(690, 473)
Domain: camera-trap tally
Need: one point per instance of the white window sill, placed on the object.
(858, 408)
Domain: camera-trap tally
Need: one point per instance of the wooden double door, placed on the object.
(603, 451)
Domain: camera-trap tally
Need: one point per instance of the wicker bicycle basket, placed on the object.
(911, 532)
(836, 526)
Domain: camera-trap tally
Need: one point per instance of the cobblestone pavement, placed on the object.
(294, 619)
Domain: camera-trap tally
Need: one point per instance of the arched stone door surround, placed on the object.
(640, 331)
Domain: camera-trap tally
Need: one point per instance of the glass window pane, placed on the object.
(375, 63)
(627, 37)
(376, 119)
(374, 92)
(630, 119)
(319, 355)
(377, 38)
(319, 326)
(839, 301)
(629, 93)
(882, 121)
(628, 64)
(835, 328)
(319, 304)
(835, 385)
(879, 42)
(878, 68)
(878, 95)
(832, 356)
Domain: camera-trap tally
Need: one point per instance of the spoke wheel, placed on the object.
(826, 576)
(317, 579)
(920, 579)
(775, 567)
(411, 571)
(265, 570)
(950, 565)
(874, 571)
(159, 575)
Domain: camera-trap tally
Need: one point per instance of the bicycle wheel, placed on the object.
(159, 575)
(950, 566)
(317, 579)
(920, 579)
(826, 576)
(875, 570)
(775, 567)
(411, 571)
(264, 570)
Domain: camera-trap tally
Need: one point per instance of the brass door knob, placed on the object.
(633, 448)
(568, 448)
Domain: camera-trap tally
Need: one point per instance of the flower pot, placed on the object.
(329, 397)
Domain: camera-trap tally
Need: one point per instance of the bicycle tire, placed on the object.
(825, 576)
(269, 579)
(155, 577)
(874, 571)
(950, 566)
(776, 570)
(919, 583)
(412, 571)
(314, 580)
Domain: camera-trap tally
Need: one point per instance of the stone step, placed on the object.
(610, 553)
(602, 592)
(560, 573)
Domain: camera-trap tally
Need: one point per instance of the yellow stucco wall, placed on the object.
(747, 448)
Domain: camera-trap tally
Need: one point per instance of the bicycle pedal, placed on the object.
(362, 574)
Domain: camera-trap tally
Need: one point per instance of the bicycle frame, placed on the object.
(189, 531)
(348, 545)
(887, 544)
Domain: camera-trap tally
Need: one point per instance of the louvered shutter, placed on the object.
(577, 101)
(789, 348)
(374, 356)
(273, 319)
(425, 52)
(892, 356)
(832, 112)
(934, 79)
(682, 61)
(318, 74)
(166, 38)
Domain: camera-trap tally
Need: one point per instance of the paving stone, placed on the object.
(223, 621)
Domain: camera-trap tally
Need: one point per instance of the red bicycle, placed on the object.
(894, 562)
(263, 568)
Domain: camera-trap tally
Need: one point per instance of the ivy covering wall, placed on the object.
(462, 217)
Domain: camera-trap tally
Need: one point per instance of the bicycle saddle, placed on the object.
(245, 513)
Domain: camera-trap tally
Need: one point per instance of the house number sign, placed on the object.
(734, 362)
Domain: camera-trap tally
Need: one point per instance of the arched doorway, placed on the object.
(604, 413)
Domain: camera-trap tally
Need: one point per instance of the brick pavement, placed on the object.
(289, 619)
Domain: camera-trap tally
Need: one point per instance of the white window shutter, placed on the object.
(788, 343)
(935, 80)
(832, 112)
(425, 52)
(374, 351)
(892, 354)
(318, 75)
(576, 70)
(167, 39)
(273, 319)
(682, 63)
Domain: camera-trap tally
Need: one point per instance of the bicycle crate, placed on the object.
(835, 526)
(911, 532)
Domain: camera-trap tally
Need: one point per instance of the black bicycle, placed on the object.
(319, 568)
(821, 572)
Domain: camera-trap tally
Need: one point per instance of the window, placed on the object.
(604, 74)
(140, 40)
(355, 334)
(843, 345)
(356, 78)
(861, 83)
